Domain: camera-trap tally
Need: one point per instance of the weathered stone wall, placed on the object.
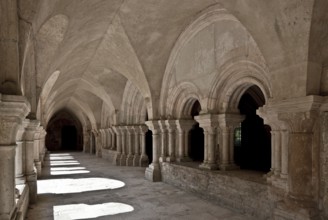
(324, 166)
(242, 195)
(108, 154)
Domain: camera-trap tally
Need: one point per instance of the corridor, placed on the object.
(79, 186)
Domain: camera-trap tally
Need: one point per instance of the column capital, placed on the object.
(184, 125)
(143, 129)
(31, 128)
(295, 114)
(171, 125)
(230, 120)
(13, 110)
(153, 126)
(207, 121)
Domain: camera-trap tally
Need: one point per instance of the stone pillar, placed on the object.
(163, 135)
(297, 118)
(183, 128)
(20, 155)
(30, 169)
(113, 139)
(42, 146)
(279, 148)
(37, 160)
(136, 158)
(209, 123)
(227, 125)
(117, 159)
(13, 110)
(86, 141)
(124, 145)
(171, 128)
(130, 145)
(108, 138)
(144, 161)
(153, 172)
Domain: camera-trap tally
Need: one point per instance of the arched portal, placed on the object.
(64, 132)
(252, 138)
(149, 145)
(196, 137)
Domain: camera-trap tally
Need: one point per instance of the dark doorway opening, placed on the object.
(253, 138)
(64, 132)
(196, 137)
(69, 138)
(149, 145)
(93, 144)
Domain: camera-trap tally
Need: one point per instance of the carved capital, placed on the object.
(184, 125)
(153, 126)
(13, 110)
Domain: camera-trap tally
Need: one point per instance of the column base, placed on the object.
(226, 167)
(144, 161)
(136, 160)
(129, 160)
(123, 160)
(38, 168)
(184, 159)
(209, 166)
(170, 159)
(31, 181)
(290, 211)
(162, 159)
(20, 180)
(153, 173)
(117, 159)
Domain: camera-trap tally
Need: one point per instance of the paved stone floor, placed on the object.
(81, 186)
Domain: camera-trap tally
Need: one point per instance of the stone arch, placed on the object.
(211, 16)
(181, 100)
(231, 84)
(133, 108)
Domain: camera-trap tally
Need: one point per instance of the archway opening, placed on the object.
(196, 136)
(64, 133)
(149, 146)
(253, 137)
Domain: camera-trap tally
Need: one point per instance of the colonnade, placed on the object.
(22, 149)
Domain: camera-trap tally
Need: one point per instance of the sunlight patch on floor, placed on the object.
(67, 170)
(84, 211)
(64, 162)
(62, 186)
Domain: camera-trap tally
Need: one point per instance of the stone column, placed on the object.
(279, 148)
(130, 145)
(37, 160)
(20, 154)
(171, 128)
(30, 169)
(124, 145)
(209, 123)
(113, 139)
(136, 157)
(108, 138)
(163, 152)
(144, 161)
(183, 128)
(42, 146)
(86, 141)
(153, 172)
(117, 159)
(227, 124)
(13, 110)
(299, 117)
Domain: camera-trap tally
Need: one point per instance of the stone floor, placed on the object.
(80, 186)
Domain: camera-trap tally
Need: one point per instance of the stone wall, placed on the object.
(324, 166)
(230, 191)
(108, 154)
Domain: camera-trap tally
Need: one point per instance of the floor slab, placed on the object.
(81, 186)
